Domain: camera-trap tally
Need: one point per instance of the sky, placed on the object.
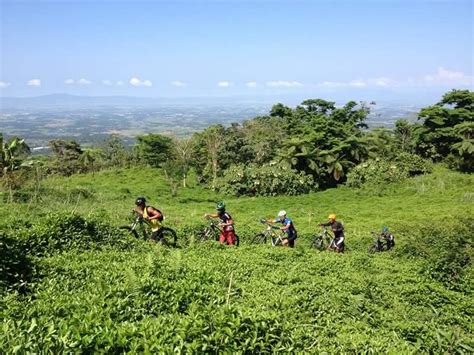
(225, 48)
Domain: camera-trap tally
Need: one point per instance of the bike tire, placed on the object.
(372, 249)
(259, 238)
(168, 237)
(207, 234)
(130, 230)
(317, 243)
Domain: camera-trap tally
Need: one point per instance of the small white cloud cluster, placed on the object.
(179, 84)
(445, 76)
(283, 83)
(224, 84)
(34, 82)
(108, 82)
(81, 81)
(4, 84)
(137, 82)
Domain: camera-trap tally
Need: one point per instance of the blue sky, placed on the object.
(216, 48)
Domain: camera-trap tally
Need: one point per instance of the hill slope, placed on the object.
(92, 289)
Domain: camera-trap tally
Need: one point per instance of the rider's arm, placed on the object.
(211, 215)
(230, 222)
(285, 227)
(153, 213)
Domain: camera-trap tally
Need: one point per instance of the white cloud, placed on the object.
(83, 81)
(332, 84)
(251, 84)
(224, 84)
(34, 82)
(69, 81)
(107, 82)
(358, 83)
(448, 77)
(4, 84)
(179, 84)
(137, 82)
(283, 83)
(119, 83)
(383, 81)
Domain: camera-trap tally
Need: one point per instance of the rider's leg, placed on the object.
(340, 245)
(231, 238)
(154, 235)
(291, 241)
(222, 238)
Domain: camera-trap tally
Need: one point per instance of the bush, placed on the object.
(414, 164)
(265, 180)
(15, 266)
(380, 171)
(448, 249)
(60, 231)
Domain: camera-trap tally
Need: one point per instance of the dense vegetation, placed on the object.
(72, 281)
(313, 146)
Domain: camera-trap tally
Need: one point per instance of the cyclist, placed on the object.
(389, 238)
(338, 230)
(153, 216)
(226, 223)
(287, 227)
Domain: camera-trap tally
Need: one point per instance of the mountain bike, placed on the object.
(323, 240)
(139, 226)
(213, 232)
(380, 244)
(268, 234)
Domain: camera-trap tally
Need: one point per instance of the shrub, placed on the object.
(381, 171)
(414, 164)
(62, 231)
(448, 249)
(15, 266)
(265, 180)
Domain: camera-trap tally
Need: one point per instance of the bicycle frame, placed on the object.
(269, 232)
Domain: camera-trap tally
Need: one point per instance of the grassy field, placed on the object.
(116, 294)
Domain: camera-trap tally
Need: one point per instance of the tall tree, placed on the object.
(154, 149)
(439, 133)
(66, 159)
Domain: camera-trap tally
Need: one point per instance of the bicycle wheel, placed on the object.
(130, 230)
(317, 242)
(372, 249)
(207, 234)
(259, 238)
(168, 237)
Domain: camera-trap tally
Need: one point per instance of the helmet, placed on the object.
(385, 229)
(282, 213)
(140, 201)
(332, 217)
(220, 206)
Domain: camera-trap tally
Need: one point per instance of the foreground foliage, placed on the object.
(72, 282)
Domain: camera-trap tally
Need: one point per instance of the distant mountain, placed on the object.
(68, 101)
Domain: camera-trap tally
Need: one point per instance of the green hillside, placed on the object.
(73, 282)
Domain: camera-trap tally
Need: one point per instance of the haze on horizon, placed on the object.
(330, 49)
